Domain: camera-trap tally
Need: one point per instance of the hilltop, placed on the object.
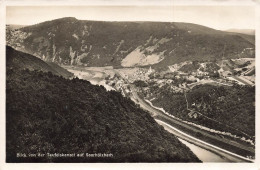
(127, 44)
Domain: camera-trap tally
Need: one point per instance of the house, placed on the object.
(193, 114)
(150, 70)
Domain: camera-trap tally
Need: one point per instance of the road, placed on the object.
(160, 116)
(224, 154)
(208, 82)
(173, 123)
(250, 72)
(243, 80)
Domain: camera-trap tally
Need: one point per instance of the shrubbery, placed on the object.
(49, 114)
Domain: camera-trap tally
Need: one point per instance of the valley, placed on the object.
(136, 83)
(172, 85)
(70, 114)
(96, 75)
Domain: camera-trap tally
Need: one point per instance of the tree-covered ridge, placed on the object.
(18, 60)
(98, 43)
(233, 107)
(49, 114)
(173, 102)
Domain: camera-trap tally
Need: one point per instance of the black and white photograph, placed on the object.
(130, 83)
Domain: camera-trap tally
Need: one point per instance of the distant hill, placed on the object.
(126, 44)
(49, 114)
(247, 34)
(19, 60)
(13, 27)
(242, 31)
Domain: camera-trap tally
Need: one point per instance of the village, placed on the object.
(226, 72)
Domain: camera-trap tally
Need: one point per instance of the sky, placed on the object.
(217, 17)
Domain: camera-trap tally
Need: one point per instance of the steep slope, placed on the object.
(233, 107)
(62, 116)
(19, 60)
(96, 43)
(61, 71)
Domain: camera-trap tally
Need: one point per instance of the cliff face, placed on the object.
(126, 44)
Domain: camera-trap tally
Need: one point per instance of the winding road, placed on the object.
(185, 131)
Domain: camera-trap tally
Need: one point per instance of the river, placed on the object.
(96, 76)
(203, 154)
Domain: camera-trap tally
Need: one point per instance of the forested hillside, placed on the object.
(233, 107)
(73, 116)
(126, 44)
(18, 61)
(46, 113)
